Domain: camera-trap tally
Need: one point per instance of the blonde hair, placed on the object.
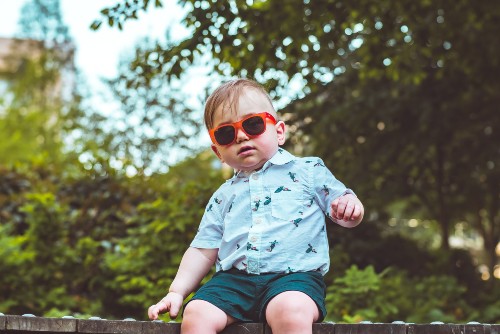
(228, 94)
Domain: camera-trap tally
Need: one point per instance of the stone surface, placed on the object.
(152, 327)
(449, 329)
(321, 328)
(434, 329)
(476, 328)
(37, 324)
(370, 328)
(109, 326)
(245, 328)
(11, 324)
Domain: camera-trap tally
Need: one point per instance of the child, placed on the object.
(264, 228)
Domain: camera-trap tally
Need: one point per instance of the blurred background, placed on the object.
(105, 167)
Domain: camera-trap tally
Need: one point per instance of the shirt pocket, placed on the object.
(289, 207)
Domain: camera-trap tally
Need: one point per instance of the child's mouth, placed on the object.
(245, 149)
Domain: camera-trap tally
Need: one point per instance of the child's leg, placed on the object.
(291, 312)
(201, 317)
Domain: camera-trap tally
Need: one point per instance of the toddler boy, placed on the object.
(264, 229)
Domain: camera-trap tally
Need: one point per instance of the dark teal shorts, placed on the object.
(245, 297)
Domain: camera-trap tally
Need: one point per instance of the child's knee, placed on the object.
(287, 305)
(192, 309)
(201, 316)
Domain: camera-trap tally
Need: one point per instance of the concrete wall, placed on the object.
(14, 324)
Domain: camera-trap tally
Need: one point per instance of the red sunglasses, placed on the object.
(253, 125)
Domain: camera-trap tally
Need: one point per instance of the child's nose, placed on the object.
(241, 136)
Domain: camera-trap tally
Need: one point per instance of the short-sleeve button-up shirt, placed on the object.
(272, 220)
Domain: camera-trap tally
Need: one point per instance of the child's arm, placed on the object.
(347, 210)
(195, 264)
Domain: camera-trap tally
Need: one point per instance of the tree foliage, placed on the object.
(392, 96)
(404, 92)
(39, 108)
(110, 246)
(155, 124)
(96, 245)
(42, 20)
(365, 294)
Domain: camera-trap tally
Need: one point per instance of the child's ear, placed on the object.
(281, 132)
(216, 151)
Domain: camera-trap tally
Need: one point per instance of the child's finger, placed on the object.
(333, 208)
(356, 213)
(339, 212)
(349, 210)
(174, 310)
(156, 309)
(153, 312)
(335, 204)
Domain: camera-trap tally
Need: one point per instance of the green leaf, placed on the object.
(95, 25)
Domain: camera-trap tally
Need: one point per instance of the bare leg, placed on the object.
(292, 312)
(201, 317)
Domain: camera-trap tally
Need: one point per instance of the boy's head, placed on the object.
(243, 125)
(227, 97)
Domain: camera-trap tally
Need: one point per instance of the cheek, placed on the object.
(225, 152)
(269, 140)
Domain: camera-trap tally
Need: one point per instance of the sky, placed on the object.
(98, 52)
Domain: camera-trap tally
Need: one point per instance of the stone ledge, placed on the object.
(37, 324)
(15, 324)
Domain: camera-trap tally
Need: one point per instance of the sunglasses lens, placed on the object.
(254, 125)
(225, 135)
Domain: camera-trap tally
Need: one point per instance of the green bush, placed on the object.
(110, 246)
(363, 294)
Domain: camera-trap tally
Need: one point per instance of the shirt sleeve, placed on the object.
(211, 226)
(326, 187)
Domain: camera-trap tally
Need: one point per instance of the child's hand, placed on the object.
(171, 303)
(347, 210)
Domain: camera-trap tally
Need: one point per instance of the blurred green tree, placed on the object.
(35, 262)
(404, 92)
(396, 89)
(97, 245)
(156, 123)
(392, 294)
(40, 104)
(143, 264)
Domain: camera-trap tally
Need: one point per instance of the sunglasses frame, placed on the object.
(239, 126)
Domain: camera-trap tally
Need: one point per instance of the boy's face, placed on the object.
(248, 153)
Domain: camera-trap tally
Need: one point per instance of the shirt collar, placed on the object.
(281, 157)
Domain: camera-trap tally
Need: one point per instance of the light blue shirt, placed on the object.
(272, 220)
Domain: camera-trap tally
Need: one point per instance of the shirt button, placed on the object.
(253, 239)
(255, 176)
(253, 266)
